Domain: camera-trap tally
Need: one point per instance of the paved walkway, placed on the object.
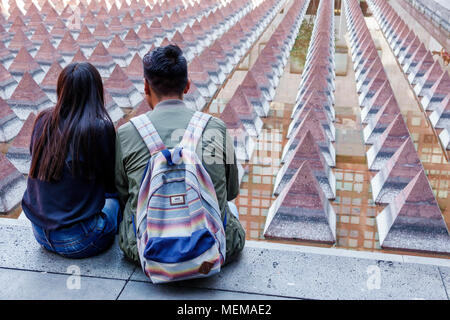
(264, 271)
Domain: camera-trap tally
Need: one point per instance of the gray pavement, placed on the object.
(264, 271)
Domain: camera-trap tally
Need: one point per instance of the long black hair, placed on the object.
(77, 124)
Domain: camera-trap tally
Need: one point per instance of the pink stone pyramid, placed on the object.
(301, 211)
(413, 221)
(398, 171)
(24, 62)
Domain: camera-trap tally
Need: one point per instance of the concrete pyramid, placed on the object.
(133, 42)
(417, 73)
(28, 97)
(383, 118)
(311, 123)
(7, 83)
(102, 33)
(145, 35)
(433, 98)
(119, 51)
(200, 77)
(194, 98)
(9, 123)
(47, 54)
(372, 88)
(12, 185)
(307, 150)
(415, 58)
(86, 39)
(255, 95)
(243, 143)
(440, 118)
(59, 29)
(383, 94)
(68, 46)
(40, 34)
(301, 211)
(20, 40)
(50, 81)
(428, 80)
(112, 107)
(135, 72)
(19, 150)
(24, 63)
(122, 89)
(315, 102)
(102, 60)
(79, 57)
(246, 113)
(413, 221)
(386, 145)
(115, 26)
(398, 171)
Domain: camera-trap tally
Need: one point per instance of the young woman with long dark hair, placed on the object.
(69, 197)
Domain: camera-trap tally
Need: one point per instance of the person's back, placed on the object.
(170, 118)
(71, 180)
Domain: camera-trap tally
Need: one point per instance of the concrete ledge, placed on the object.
(264, 271)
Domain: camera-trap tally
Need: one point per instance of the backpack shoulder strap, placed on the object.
(148, 133)
(194, 130)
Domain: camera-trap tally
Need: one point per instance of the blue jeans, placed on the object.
(85, 239)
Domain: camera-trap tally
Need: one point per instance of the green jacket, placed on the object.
(171, 118)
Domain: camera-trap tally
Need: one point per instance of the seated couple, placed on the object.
(85, 178)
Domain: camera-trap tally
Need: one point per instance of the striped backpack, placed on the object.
(179, 230)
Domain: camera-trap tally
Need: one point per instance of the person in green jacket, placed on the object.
(166, 81)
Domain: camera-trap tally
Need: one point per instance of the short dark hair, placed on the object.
(165, 69)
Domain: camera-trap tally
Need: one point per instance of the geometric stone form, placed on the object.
(20, 40)
(134, 43)
(102, 60)
(113, 109)
(255, 95)
(122, 89)
(440, 118)
(301, 211)
(311, 123)
(68, 46)
(79, 57)
(135, 72)
(307, 150)
(47, 54)
(58, 30)
(28, 97)
(429, 79)
(243, 143)
(246, 112)
(201, 78)
(9, 123)
(48, 84)
(413, 221)
(7, 83)
(315, 101)
(381, 121)
(12, 185)
(384, 147)
(40, 34)
(396, 174)
(19, 150)
(434, 97)
(383, 94)
(119, 51)
(194, 98)
(24, 63)
(418, 71)
(102, 33)
(372, 88)
(415, 59)
(86, 40)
